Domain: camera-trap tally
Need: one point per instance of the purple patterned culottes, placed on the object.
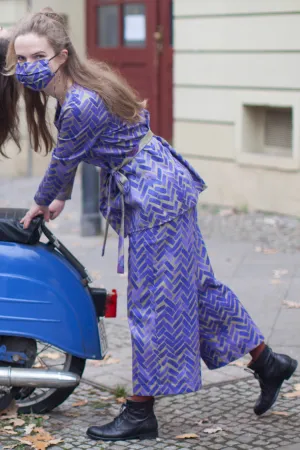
(178, 312)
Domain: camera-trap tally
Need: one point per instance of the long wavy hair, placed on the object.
(9, 96)
(118, 96)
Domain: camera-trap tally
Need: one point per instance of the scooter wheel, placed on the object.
(38, 401)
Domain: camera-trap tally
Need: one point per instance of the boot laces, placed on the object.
(120, 417)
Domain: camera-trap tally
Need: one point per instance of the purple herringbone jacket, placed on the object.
(154, 186)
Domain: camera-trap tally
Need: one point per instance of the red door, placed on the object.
(135, 37)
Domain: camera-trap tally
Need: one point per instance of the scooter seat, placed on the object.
(11, 230)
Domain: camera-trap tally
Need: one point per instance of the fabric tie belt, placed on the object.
(122, 183)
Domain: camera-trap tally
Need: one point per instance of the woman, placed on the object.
(178, 312)
(9, 96)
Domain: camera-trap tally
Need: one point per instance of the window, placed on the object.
(267, 131)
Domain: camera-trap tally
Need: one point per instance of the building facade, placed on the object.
(223, 82)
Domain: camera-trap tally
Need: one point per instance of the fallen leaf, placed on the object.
(39, 365)
(212, 430)
(50, 355)
(40, 430)
(120, 400)
(29, 428)
(276, 281)
(8, 428)
(56, 441)
(202, 421)
(105, 399)
(106, 363)
(278, 273)
(10, 432)
(239, 363)
(10, 447)
(187, 436)
(25, 441)
(292, 394)
(297, 387)
(17, 422)
(40, 441)
(291, 304)
(80, 403)
(270, 251)
(280, 413)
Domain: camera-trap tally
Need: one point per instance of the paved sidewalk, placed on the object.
(220, 416)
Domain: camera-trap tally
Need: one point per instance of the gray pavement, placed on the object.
(258, 257)
(219, 416)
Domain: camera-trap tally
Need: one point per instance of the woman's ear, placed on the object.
(64, 54)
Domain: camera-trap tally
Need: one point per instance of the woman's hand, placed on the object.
(35, 210)
(56, 208)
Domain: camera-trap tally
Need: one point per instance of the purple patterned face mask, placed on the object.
(35, 75)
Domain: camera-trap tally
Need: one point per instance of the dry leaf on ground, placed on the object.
(239, 363)
(202, 421)
(187, 436)
(121, 400)
(280, 413)
(270, 251)
(106, 361)
(80, 403)
(276, 281)
(292, 394)
(29, 428)
(297, 387)
(9, 430)
(212, 430)
(10, 447)
(39, 365)
(17, 422)
(278, 273)
(51, 355)
(291, 304)
(40, 441)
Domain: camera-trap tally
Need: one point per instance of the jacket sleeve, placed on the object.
(81, 125)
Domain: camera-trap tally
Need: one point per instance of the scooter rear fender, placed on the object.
(42, 297)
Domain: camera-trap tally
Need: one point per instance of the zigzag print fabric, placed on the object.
(178, 312)
(157, 185)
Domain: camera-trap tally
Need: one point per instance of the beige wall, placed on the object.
(227, 51)
(10, 12)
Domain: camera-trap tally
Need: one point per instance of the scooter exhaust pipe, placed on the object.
(12, 377)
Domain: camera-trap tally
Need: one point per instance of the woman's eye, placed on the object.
(20, 59)
(40, 57)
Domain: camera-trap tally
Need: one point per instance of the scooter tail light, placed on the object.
(111, 304)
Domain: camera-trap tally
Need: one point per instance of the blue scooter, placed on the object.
(51, 319)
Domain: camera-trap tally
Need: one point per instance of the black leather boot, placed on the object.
(135, 421)
(271, 369)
